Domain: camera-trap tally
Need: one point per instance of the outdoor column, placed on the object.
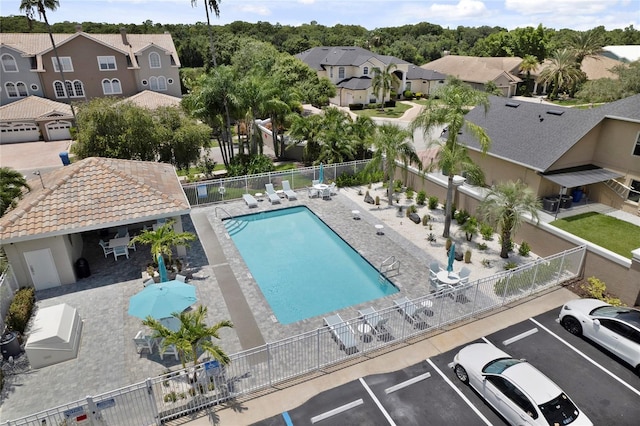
(177, 227)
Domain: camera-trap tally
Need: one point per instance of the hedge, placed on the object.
(21, 309)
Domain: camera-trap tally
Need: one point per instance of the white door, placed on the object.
(19, 132)
(42, 268)
(59, 130)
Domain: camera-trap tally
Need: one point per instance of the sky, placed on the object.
(579, 15)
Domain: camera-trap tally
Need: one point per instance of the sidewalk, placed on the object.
(262, 406)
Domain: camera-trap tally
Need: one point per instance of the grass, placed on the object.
(613, 234)
(394, 112)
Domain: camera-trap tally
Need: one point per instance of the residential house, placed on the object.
(34, 118)
(478, 71)
(579, 153)
(351, 70)
(44, 235)
(94, 65)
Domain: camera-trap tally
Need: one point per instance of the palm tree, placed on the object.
(307, 129)
(584, 44)
(337, 141)
(504, 207)
(390, 143)
(382, 82)
(163, 239)
(562, 72)
(30, 7)
(528, 64)
(363, 129)
(12, 185)
(194, 335)
(215, 8)
(455, 99)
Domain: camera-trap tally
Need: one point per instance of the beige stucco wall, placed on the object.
(167, 70)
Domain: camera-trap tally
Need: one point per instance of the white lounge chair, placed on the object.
(143, 342)
(411, 311)
(105, 248)
(342, 333)
(374, 319)
(250, 200)
(271, 193)
(290, 193)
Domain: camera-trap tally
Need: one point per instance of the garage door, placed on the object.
(19, 132)
(58, 131)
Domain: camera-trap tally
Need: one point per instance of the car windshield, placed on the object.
(630, 316)
(497, 366)
(559, 410)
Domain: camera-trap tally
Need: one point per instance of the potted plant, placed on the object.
(467, 256)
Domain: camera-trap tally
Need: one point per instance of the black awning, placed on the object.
(578, 178)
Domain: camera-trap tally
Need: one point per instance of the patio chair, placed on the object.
(250, 200)
(374, 319)
(326, 193)
(435, 267)
(271, 193)
(342, 333)
(123, 231)
(315, 182)
(168, 350)
(333, 188)
(312, 192)
(436, 285)
(143, 342)
(464, 275)
(291, 195)
(411, 311)
(105, 248)
(181, 278)
(120, 251)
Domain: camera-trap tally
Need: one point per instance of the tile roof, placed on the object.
(94, 193)
(529, 135)
(33, 108)
(152, 100)
(476, 69)
(319, 57)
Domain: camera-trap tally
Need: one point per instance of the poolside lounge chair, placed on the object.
(291, 195)
(271, 193)
(251, 202)
(342, 333)
(374, 319)
(411, 311)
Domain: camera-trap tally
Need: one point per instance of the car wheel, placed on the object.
(572, 325)
(461, 374)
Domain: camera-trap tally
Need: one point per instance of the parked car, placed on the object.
(514, 388)
(615, 328)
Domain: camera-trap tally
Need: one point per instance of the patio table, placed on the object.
(119, 242)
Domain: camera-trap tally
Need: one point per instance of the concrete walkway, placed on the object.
(267, 404)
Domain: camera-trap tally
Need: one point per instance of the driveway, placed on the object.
(27, 157)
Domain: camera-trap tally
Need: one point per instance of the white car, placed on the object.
(615, 328)
(515, 388)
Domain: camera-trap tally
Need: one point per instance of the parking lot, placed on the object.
(429, 392)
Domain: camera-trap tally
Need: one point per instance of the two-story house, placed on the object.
(351, 69)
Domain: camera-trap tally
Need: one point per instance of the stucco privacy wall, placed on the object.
(621, 275)
(58, 246)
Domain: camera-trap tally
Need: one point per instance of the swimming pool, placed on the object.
(302, 266)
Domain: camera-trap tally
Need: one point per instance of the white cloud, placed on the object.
(463, 9)
(255, 9)
(563, 9)
(306, 1)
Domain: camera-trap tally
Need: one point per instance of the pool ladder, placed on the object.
(389, 265)
(234, 225)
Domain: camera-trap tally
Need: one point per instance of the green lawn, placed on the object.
(613, 234)
(395, 112)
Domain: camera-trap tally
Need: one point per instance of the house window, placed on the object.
(341, 72)
(331, 72)
(634, 194)
(111, 87)
(365, 71)
(154, 60)
(75, 89)
(67, 66)
(34, 87)
(158, 84)
(107, 63)
(9, 63)
(636, 148)
(173, 61)
(16, 90)
(22, 89)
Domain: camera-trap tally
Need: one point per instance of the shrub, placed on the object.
(419, 95)
(425, 220)
(482, 246)
(470, 228)
(524, 249)
(510, 265)
(397, 185)
(467, 256)
(390, 104)
(486, 263)
(524, 280)
(20, 309)
(597, 289)
(433, 202)
(408, 94)
(409, 194)
(421, 197)
(486, 231)
(462, 216)
(170, 397)
(412, 209)
(345, 179)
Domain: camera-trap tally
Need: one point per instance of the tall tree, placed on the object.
(585, 44)
(391, 143)
(213, 6)
(194, 335)
(455, 99)
(30, 7)
(337, 141)
(163, 239)
(383, 80)
(528, 64)
(12, 185)
(505, 207)
(562, 72)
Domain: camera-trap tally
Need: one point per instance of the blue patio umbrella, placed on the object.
(163, 299)
(452, 256)
(162, 269)
(321, 173)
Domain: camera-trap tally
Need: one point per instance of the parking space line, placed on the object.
(377, 401)
(561, 340)
(335, 411)
(406, 383)
(519, 336)
(460, 394)
(287, 418)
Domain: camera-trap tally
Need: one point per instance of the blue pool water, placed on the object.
(303, 268)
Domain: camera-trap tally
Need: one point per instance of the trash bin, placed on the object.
(9, 345)
(82, 268)
(577, 195)
(566, 202)
(550, 204)
(64, 156)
